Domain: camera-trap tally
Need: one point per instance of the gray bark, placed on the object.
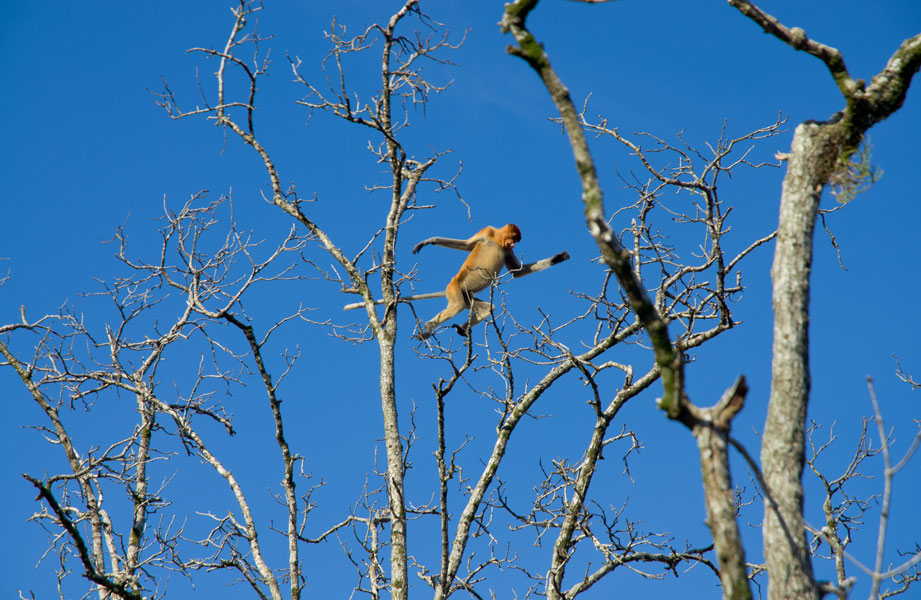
(782, 450)
(820, 152)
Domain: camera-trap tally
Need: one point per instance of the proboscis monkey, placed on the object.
(490, 249)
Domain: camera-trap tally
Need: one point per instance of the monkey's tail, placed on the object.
(355, 305)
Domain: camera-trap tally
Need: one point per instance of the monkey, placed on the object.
(490, 249)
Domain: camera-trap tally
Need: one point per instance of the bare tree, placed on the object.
(668, 282)
(178, 299)
(819, 153)
(401, 88)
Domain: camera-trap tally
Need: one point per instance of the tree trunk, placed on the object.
(782, 451)
(395, 467)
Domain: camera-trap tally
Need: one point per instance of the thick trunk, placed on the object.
(782, 451)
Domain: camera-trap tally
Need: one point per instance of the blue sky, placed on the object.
(87, 151)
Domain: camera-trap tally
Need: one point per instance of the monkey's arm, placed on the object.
(540, 265)
(511, 261)
(447, 243)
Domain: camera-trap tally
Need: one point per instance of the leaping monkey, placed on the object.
(490, 250)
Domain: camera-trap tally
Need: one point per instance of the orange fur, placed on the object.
(490, 249)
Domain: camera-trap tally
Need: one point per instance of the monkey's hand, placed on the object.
(540, 265)
(418, 247)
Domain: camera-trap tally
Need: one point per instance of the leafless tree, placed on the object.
(401, 87)
(845, 512)
(820, 153)
(666, 282)
(196, 283)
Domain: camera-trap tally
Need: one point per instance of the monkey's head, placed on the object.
(509, 235)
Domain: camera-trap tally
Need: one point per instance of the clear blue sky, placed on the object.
(87, 151)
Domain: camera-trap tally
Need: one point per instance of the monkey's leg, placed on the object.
(480, 310)
(457, 301)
